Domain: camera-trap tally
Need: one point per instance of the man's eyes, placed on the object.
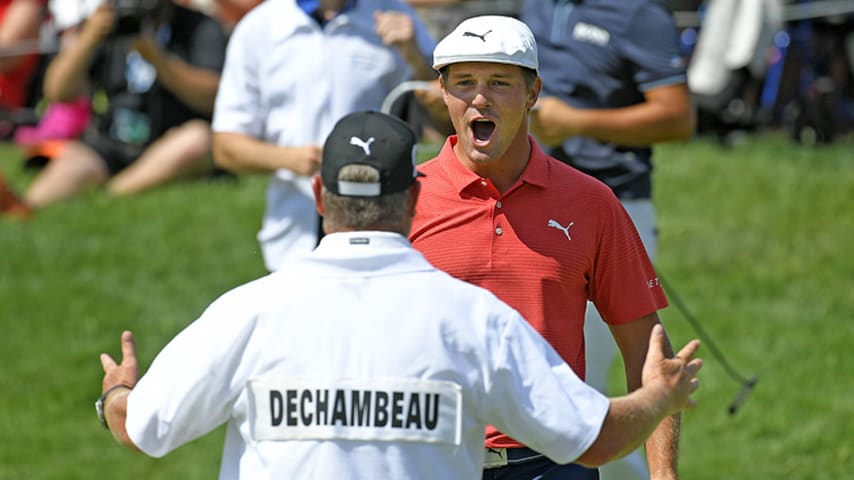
(492, 83)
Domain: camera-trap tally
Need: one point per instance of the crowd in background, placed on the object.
(752, 65)
(771, 64)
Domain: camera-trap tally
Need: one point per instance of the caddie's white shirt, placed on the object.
(287, 81)
(361, 360)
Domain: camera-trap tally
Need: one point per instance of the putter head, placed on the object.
(746, 388)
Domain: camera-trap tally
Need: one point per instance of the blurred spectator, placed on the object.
(59, 120)
(772, 63)
(294, 67)
(23, 51)
(614, 84)
(815, 95)
(735, 35)
(158, 69)
(730, 59)
(20, 25)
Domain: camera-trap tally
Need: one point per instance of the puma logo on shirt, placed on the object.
(565, 230)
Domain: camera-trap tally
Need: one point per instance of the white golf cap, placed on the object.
(488, 38)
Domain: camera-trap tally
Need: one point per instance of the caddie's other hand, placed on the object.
(395, 28)
(127, 372)
(674, 378)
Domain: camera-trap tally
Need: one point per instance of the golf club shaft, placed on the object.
(746, 384)
(707, 340)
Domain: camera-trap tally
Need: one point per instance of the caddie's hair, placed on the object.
(364, 213)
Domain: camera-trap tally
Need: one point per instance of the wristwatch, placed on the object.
(99, 404)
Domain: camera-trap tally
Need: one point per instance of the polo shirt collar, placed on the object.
(364, 240)
(309, 7)
(536, 172)
(366, 252)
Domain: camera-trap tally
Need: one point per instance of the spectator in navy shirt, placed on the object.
(614, 84)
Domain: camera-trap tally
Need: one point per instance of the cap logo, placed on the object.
(366, 146)
(481, 37)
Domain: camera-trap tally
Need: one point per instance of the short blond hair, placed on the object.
(363, 213)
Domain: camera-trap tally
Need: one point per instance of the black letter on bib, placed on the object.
(431, 416)
(339, 409)
(413, 414)
(360, 407)
(276, 402)
(397, 409)
(305, 414)
(380, 410)
(291, 407)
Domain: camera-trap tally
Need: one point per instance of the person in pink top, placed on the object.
(499, 213)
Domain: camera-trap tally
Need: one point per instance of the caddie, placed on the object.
(361, 360)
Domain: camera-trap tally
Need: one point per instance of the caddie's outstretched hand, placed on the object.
(125, 373)
(676, 378)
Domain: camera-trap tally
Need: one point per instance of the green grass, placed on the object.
(73, 278)
(757, 240)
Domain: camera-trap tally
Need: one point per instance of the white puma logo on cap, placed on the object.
(366, 146)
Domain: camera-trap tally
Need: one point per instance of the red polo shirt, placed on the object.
(554, 240)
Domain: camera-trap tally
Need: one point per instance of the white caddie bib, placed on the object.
(374, 409)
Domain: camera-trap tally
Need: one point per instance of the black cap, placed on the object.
(375, 139)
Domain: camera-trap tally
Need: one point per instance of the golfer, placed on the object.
(542, 236)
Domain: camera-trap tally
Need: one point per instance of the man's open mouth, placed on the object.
(482, 129)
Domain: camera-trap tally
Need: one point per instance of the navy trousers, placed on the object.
(541, 469)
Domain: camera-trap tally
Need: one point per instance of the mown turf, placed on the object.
(756, 240)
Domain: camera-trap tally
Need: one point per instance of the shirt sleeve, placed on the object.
(652, 47)
(239, 107)
(192, 385)
(624, 285)
(537, 399)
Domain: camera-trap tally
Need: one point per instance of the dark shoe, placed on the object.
(10, 204)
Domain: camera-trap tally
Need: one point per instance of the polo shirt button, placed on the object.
(499, 231)
(483, 182)
(498, 204)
